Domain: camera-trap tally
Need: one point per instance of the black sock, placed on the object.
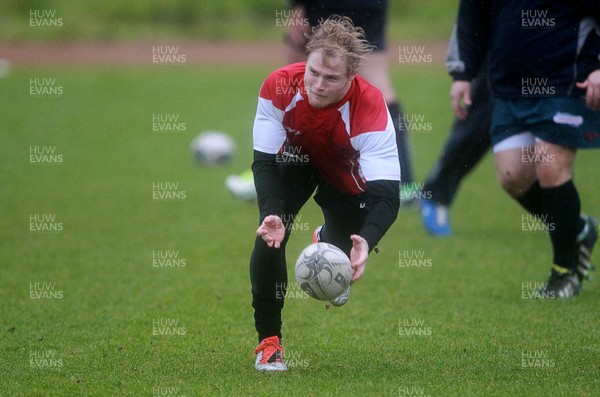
(402, 141)
(268, 335)
(561, 210)
(532, 200)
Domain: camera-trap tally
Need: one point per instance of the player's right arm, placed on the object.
(269, 193)
(268, 136)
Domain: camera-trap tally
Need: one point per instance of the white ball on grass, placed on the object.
(213, 148)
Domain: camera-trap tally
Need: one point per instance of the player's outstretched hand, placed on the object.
(272, 231)
(460, 98)
(592, 90)
(358, 256)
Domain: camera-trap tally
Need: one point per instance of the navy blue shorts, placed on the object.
(564, 121)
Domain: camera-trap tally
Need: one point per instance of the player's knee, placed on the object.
(513, 183)
(553, 174)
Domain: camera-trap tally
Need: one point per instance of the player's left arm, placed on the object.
(381, 168)
(385, 202)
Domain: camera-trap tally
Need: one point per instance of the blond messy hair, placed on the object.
(337, 36)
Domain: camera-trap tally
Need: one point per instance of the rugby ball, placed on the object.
(213, 148)
(323, 271)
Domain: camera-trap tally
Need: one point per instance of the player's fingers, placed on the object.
(360, 250)
(589, 97)
(466, 97)
(359, 260)
(454, 104)
(263, 228)
(457, 108)
(582, 86)
(460, 97)
(357, 273)
(272, 219)
(593, 95)
(356, 240)
(464, 100)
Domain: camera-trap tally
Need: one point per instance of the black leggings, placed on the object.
(268, 273)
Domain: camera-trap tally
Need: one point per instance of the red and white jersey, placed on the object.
(349, 142)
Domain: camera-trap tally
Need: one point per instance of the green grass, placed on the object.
(101, 329)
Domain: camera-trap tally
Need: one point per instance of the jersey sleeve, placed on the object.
(268, 133)
(385, 201)
(378, 152)
(268, 136)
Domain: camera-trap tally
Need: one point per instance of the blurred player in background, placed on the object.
(468, 141)
(371, 15)
(545, 76)
(319, 126)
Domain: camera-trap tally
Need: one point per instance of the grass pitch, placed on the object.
(107, 290)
